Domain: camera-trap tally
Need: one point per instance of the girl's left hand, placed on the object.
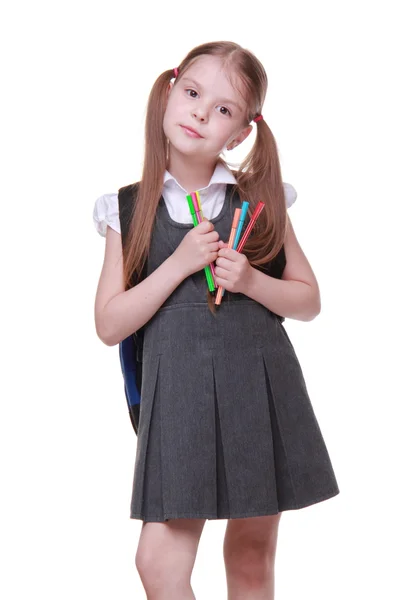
(233, 270)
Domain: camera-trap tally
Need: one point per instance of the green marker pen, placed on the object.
(207, 270)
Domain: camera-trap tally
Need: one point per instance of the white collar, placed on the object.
(222, 174)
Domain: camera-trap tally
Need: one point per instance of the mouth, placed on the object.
(191, 132)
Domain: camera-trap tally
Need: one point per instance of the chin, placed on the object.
(185, 150)
(185, 146)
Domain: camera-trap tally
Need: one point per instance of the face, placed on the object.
(204, 100)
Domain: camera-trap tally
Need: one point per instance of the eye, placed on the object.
(228, 112)
(190, 90)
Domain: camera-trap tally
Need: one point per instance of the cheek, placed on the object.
(165, 124)
(169, 118)
(168, 111)
(225, 134)
(173, 112)
(224, 127)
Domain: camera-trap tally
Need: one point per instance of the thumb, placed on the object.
(211, 226)
(222, 244)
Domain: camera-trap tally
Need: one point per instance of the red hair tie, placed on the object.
(176, 71)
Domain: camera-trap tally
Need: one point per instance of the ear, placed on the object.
(170, 86)
(243, 134)
(240, 137)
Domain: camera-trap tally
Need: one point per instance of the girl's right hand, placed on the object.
(198, 248)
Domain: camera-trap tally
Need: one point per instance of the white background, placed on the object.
(75, 79)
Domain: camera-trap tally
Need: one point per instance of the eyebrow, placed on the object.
(221, 99)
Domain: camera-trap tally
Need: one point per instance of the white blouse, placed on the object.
(106, 210)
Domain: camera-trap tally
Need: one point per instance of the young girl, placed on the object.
(226, 429)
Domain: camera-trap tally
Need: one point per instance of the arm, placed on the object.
(296, 295)
(115, 318)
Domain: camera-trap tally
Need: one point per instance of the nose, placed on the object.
(200, 114)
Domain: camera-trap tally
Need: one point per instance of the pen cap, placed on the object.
(236, 217)
(195, 202)
(245, 206)
(198, 200)
(257, 211)
(190, 202)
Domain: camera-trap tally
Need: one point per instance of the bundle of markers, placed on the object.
(234, 243)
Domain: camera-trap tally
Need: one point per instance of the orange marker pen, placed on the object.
(232, 236)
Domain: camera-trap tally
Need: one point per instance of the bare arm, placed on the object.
(119, 313)
(115, 319)
(296, 295)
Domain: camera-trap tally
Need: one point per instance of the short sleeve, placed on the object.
(105, 213)
(290, 194)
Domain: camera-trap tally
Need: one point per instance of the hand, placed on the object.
(233, 270)
(198, 248)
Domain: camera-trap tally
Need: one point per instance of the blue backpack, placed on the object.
(130, 355)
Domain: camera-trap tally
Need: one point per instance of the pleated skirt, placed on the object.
(227, 429)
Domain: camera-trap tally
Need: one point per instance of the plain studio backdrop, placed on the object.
(76, 76)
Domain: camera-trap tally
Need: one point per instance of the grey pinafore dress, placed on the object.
(226, 428)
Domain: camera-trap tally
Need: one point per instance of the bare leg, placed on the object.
(165, 558)
(249, 554)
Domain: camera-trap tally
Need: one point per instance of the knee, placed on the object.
(160, 569)
(150, 567)
(251, 563)
(165, 555)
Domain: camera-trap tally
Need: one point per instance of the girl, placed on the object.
(226, 429)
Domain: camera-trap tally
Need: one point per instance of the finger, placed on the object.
(205, 226)
(222, 282)
(213, 247)
(228, 253)
(212, 236)
(224, 263)
(221, 273)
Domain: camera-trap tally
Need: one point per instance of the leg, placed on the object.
(249, 554)
(165, 558)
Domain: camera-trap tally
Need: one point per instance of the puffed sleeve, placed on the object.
(105, 213)
(290, 194)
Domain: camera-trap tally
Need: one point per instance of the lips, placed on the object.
(192, 131)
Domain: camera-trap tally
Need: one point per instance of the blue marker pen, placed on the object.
(245, 206)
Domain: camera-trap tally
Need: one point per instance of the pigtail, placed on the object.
(150, 186)
(259, 178)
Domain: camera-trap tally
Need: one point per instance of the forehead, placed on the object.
(210, 73)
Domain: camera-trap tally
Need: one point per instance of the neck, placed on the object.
(189, 172)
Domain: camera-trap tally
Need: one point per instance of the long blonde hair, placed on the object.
(258, 177)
